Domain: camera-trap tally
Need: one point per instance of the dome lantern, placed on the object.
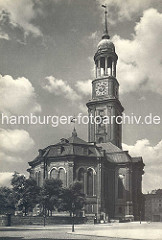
(105, 57)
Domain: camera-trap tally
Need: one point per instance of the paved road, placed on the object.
(48, 233)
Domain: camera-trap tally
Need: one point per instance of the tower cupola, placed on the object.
(105, 58)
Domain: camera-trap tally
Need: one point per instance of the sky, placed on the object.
(46, 68)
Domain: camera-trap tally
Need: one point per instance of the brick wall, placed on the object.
(38, 220)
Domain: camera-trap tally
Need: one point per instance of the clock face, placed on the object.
(101, 88)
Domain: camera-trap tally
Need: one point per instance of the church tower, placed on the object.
(105, 106)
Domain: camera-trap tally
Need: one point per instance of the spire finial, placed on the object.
(74, 133)
(105, 35)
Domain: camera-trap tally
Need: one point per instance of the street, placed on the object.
(109, 231)
(48, 233)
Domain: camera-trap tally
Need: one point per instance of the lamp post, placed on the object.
(44, 215)
(140, 216)
(73, 209)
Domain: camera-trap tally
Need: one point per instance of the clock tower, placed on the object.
(105, 107)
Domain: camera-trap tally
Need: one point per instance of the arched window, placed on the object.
(90, 182)
(62, 176)
(81, 177)
(109, 66)
(120, 187)
(54, 173)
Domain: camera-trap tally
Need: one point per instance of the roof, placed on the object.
(74, 139)
(75, 146)
(109, 147)
(137, 159)
(106, 44)
(115, 154)
(77, 140)
(119, 157)
(71, 146)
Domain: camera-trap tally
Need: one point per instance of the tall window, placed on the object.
(120, 187)
(90, 182)
(62, 176)
(54, 174)
(81, 177)
(39, 178)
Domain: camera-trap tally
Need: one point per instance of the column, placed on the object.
(111, 72)
(85, 182)
(99, 68)
(114, 69)
(106, 64)
(96, 69)
(99, 184)
(129, 207)
(70, 173)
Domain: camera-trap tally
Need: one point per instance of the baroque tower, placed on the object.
(105, 102)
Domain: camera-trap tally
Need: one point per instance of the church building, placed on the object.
(111, 178)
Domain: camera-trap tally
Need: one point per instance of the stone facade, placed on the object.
(153, 206)
(111, 178)
(107, 173)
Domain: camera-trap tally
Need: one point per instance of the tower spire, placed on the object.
(105, 34)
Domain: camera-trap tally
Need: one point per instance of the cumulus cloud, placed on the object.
(21, 13)
(4, 35)
(14, 144)
(140, 59)
(84, 87)
(59, 87)
(17, 96)
(5, 179)
(15, 141)
(152, 156)
(125, 9)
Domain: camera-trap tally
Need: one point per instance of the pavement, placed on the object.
(132, 230)
(114, 231)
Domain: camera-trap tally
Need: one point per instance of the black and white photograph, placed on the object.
(81, 119)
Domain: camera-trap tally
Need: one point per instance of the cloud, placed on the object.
(93, 35)
(84, 87)
(15, 141)
(17, 96)
(13, 146)
(9, 159)
(4, 35)
(152, 156)
(59, 87)
(5, 179)
(21, 14)
(122, 10)
(82, 108)
(143, 98)
(140, 59)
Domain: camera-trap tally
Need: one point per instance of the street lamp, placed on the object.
(73, 209)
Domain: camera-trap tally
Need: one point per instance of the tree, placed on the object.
(7, 202)
(73, 200)
(26, 192)
(50, 194)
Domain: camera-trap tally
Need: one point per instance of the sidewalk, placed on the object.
(134, 230)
